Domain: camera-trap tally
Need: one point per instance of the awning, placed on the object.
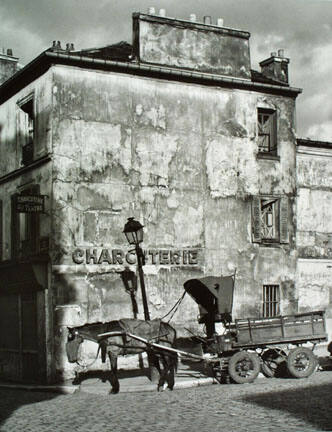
(17, 278)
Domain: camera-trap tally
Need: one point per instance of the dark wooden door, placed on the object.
(19, 337)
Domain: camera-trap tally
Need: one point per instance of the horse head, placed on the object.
(74, 341)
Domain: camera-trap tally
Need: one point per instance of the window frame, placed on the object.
(32, 228)
(281, 219)
(27, 131)
(271, 114)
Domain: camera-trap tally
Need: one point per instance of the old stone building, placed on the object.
(175, 130)
(314, 227)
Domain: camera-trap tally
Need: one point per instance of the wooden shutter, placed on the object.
(284, 234)
(1, 231)
(14, 228)
(273, 133)
(256, 220)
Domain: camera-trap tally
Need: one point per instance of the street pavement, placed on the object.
(276, 404)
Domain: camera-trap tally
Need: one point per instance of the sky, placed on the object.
(303, 28)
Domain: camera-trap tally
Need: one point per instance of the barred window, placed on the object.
(271, 300)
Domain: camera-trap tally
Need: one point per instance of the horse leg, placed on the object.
(154, 366)
(170, 372)
(114, 372)
(163, 373)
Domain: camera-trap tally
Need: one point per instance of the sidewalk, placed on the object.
(189, 374)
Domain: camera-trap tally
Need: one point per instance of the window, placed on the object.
(267, 132)
(26, 128)
(270, 220)
(1, 231)
(271, 300)
(25, 228)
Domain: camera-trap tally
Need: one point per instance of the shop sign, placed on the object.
(30, 203)
(178, 257)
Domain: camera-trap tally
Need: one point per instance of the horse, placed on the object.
(119, 343)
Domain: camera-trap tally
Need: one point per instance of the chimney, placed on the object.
(8, 65)
(276, 67)
(191, 45)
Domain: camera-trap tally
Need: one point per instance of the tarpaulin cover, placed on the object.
(212, 294)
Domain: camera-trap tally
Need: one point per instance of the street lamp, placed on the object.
(133, 231)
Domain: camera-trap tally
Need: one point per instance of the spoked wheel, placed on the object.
(244, 367)
(272, 360)
(301, 362)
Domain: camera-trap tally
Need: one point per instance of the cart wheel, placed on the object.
(301, 362)
(272, 361)
(244, 367)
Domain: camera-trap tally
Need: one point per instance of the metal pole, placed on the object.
(139, 254)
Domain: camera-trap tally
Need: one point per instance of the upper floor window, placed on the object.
(267, 131)
(26, 128)
(270, 219)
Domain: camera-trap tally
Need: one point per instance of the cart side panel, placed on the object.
(266, 330)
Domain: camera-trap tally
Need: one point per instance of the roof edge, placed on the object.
(41, 63)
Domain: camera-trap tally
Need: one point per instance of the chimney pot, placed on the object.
(192, 17)
(151, 11)
(72, 47)
(281, 53)
(207, 20)
(220, 22)
(273, 54)
(162, 12)
(58, 45)
(10, 52)
(67, 46)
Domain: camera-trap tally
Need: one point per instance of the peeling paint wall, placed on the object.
(189, 45)
(180, 158)
(14, 179)
(11, 152)
(314, 230)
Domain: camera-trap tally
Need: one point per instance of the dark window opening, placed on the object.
(267, 132)
(25, 229)
(26, 124)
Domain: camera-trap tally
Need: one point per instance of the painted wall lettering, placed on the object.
(152, 256)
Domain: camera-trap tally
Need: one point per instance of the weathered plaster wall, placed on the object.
(314, 231)
(11, 152)
(180, 158)
(193, 46)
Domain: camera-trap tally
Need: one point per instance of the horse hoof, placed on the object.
(114, 391)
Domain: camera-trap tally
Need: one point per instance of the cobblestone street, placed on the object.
(266, 405)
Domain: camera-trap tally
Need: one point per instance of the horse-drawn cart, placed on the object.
(273, 345)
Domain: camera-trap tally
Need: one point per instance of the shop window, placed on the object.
(271, 300)
(25, 229)
(26, 128)
(267, 132)
(270, 220)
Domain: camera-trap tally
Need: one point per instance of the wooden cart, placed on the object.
(276, 346)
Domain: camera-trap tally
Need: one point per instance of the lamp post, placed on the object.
(133, 231)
